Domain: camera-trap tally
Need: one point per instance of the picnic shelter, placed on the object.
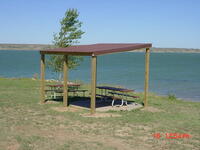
(92, 50)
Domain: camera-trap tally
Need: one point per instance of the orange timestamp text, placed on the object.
(172, 135)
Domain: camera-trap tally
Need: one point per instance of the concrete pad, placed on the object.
(129, 107)
(103, 106)
(100, 115)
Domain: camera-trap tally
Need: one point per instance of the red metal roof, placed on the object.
(97, 49)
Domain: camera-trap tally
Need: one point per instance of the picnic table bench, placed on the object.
(122, 97)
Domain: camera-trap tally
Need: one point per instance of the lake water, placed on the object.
(170, 73)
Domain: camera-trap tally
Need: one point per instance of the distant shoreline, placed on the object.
(171, 50)
(24, 46)
(46, 46)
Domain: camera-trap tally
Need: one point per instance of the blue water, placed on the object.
(170, 73)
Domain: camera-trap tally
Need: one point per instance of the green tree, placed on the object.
(69, 34)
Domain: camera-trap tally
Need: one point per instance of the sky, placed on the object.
(164, 23)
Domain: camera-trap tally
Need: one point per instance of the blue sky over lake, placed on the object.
(165, 23)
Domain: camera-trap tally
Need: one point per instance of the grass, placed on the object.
(27, 125)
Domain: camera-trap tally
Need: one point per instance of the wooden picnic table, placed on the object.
(61, 85)
(113, 89)
(117, 94)
(58, 88)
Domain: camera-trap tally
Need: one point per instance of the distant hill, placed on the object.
(24, 46)
(180, 50)
(45, 46)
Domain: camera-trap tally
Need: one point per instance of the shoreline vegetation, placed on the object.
(47, 46)
(167, 123)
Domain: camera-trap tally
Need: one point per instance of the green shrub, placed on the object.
(171, 96)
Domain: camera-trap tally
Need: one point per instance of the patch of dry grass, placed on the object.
(27, 125)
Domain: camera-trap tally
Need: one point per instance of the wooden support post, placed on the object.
(65, 79)
(146, 85)
(42, 77)
(93, 84)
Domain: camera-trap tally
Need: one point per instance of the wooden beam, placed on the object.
(67, 53)
(146, 84)
(42, 77)
(65, 79)
(93, 84)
